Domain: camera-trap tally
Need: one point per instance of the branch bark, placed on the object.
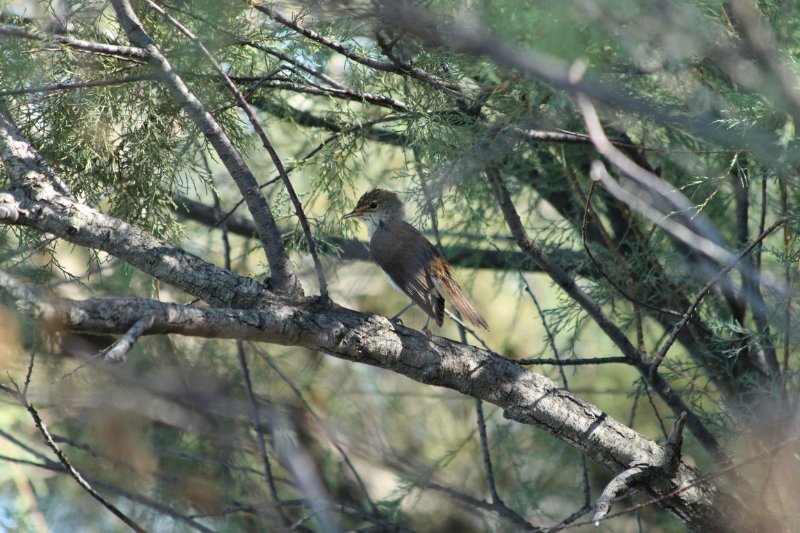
(525, 396)
(37, 203)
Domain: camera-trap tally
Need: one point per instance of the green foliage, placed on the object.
(128, 149)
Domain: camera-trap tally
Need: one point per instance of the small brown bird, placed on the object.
(412, 263)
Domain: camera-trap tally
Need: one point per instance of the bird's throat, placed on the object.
(372, 222)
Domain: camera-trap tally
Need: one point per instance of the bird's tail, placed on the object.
(446, 285)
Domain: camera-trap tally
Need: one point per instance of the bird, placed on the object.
(412, 264)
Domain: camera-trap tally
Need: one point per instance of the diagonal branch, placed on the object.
(262, 134)
(324, 41)
(525, 396)
(22, 398)
(603, 321)
(38, 204)
(284, 277)
(689, 313)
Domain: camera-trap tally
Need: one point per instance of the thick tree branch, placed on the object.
(525, 397)
(50, 212)
(283, 275)
(36, 203)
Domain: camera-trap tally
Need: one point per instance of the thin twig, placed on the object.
(325, 142)
(636, 302)
(54, 466)
(550, 337)
(655, 409)
(21, 397)
(416, 72)
(55, 87)
(324, 41)
(117, 352)
(483, 437)
(485, 453)
(324, 427)
(475, 503)
(687, 315)
(552, 342)
(262, 445)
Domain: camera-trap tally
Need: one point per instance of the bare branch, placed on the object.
(622, 483)
(475, 503)
(256, 417)
(117, 352)
(126, 52)
(574, 362)
(40, 425)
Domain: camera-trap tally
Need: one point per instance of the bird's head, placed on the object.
(377, 206)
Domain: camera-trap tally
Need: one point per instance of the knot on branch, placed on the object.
(640, 474)
(9, 208)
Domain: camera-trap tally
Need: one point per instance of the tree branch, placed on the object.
(126, 52)
(36, 203)
(324, 41)
(22, 398)
(118, 351)
(604, 322)
(283, 275)
(524, 396)
(266, 142)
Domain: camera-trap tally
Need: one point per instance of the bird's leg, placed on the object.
(396, 318)
(425, 329)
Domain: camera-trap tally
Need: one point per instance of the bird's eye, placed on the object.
(373, 205)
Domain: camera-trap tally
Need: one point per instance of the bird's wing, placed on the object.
(404, 254)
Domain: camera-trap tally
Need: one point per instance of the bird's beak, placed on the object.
(352, 214)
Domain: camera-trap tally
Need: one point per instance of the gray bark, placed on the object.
(524, 396)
